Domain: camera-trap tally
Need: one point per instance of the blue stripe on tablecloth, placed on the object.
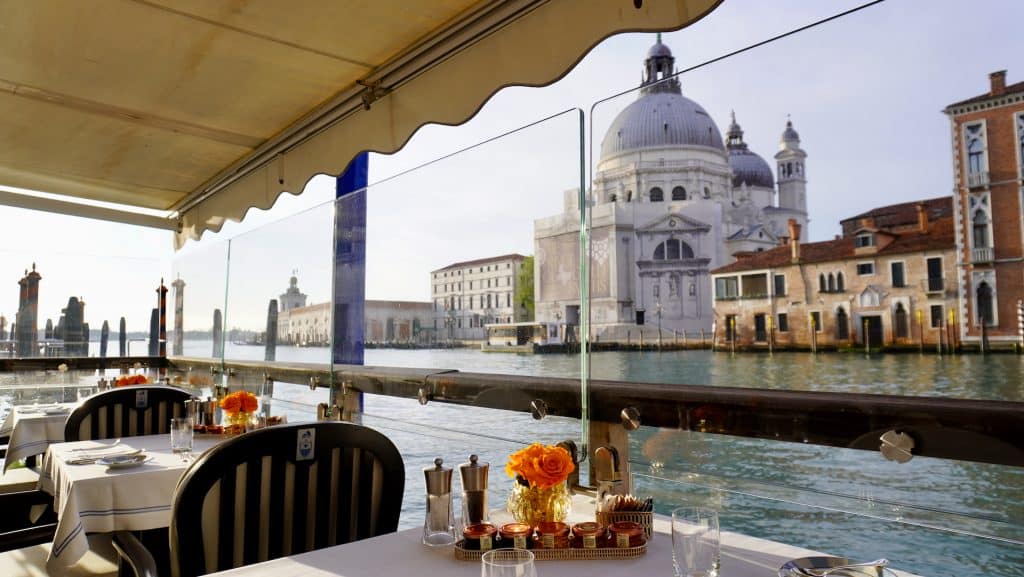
(15, 448)
(58, 548)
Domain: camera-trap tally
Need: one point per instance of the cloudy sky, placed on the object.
(866, 94)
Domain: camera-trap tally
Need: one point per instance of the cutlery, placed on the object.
(815, 572)
(90, 459)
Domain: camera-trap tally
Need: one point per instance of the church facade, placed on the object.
(671, 200)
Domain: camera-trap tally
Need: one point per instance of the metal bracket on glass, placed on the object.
(314, 382)
(539, 409)
(422, 395)
(896, 446)
(630, 418)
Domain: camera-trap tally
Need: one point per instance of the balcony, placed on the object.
(977, 179)
(982, 254)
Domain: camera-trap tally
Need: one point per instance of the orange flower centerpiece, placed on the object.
(125, 380)
(540, 493)
(239, 408)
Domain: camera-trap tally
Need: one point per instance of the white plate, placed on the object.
(57, 411)
(795, 567)
(123, 461)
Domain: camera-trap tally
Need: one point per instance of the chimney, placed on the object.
(998, 82)
(922, 216)
(794, 239)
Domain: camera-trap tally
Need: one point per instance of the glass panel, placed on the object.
(69, 281)
(279, 289)
(198, 288)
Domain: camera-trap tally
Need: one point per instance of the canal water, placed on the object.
(929, 516)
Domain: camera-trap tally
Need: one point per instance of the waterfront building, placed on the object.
(988, 182)
(470, 294)
(671, 200)
(885, 282)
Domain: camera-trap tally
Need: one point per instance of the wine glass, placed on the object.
(507, 563)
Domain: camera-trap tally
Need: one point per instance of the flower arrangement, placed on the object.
(540, 493)
(125, 380)
(540, 466)
(239, 402)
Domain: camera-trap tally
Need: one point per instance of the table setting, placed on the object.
(33, 428)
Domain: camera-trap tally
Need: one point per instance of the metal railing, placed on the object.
(934, 284)
(961, 429)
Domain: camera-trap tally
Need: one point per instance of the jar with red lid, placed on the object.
(479, 537)
(625, 534)
(587, 535)
(552, 535)
(516, 535)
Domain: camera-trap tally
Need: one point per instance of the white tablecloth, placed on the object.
(32, 430)
(95, 499)
(402, 554)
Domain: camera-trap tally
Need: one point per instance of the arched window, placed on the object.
(980, 230)
(678, 193)
(840, 285)
(842, 325)
(985, 304)
(657, 195)
(629, 196)
(673, 249)
(831, 283)
(612, 197)
(821, 283)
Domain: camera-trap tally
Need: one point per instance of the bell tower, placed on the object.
(792, 173)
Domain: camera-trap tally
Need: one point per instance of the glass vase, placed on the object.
(531, 505)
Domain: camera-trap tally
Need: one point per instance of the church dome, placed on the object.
(747, 166)
(662, 116)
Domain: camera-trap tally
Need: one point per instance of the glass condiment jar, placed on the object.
(479, 537)
(587, 535)
(625, 534)
(551, 535)
(516, 535)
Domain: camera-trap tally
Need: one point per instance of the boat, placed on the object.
(523, 337)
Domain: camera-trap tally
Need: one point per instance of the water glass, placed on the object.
(181, 435)
(695, 542)
(507, 563)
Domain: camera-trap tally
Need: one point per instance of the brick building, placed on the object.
(988, 183)
(883, 285)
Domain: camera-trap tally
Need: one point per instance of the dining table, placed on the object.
(91, 497)
(32, 429)
(402, 554)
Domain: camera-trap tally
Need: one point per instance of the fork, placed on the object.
(824, 572)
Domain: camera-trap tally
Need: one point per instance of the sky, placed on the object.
(865, 92)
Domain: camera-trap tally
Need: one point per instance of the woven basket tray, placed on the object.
(562, 554)
(646, 519)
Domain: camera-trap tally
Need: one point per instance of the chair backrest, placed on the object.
(282, 491)
(126, 412)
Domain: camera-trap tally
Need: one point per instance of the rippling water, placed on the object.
(925, 515)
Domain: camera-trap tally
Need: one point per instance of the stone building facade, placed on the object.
(400, 323)
(875, 286)
(671, 200)
(988, 182)
(468, 295)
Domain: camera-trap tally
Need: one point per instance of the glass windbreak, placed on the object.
(735, 259)
(279, 290)
(196, 301)
(63, 298)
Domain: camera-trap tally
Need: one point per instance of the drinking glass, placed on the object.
(181, 436)
(507, 563)
(695, 542)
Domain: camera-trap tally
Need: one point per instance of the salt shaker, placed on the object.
(439, 525)
(474, 491)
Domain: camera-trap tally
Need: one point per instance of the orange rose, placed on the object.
(249, 403)
(230, 404)
(540, 466)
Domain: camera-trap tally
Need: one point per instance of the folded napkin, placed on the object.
(88, 458)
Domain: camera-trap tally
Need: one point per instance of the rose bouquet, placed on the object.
(239, 407)
(540, 493)
(125, 380)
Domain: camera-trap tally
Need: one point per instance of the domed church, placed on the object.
(671, 201)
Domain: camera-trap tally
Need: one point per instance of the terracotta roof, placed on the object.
(904, 213)
(939, 237)
(1010, 89)
(513, 256)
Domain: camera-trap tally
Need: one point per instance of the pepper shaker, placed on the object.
(474, 491)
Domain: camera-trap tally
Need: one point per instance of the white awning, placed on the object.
(207, 108)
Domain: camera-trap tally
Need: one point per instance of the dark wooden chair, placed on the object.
(298, 488)
(17, 530)
(126, 412)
